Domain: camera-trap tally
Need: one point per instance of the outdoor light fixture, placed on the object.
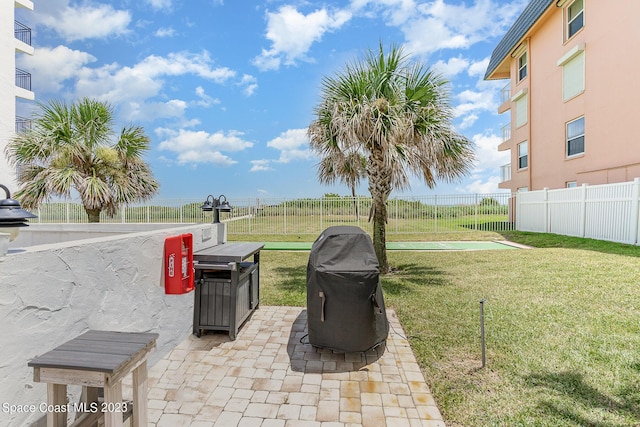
(12, 215)
(216, 205)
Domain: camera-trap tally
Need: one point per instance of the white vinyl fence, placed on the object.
(603, 212)
(427, 214)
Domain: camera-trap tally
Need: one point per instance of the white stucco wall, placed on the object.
(52, 293)
(45, 234)
(8, 89)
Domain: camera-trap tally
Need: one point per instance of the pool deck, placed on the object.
(268, 377)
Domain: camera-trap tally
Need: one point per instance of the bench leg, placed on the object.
(140, 391)
(56, 396)
(113, 405)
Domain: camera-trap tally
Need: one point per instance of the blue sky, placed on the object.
(226, 88)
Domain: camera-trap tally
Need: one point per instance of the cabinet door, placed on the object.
(214, 303)
(255, 288)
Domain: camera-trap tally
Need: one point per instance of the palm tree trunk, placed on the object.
(93, 214)
(380, 188)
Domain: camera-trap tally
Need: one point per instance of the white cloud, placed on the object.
(488, 156)
(250, 84)
(396, 12)
(293, 144)
(160, 4)
(145, 79)
(149, 111)
(452, 67)
(52, 66)
(483, 186)
(292, 33)
(478, 68)
(165, 32)
(81, 22)
(472, 102)
(469, 121)
(440, 24)
(205, 100)
(193, 147)
(260, 166)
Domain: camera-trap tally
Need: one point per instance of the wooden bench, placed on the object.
(94, 360)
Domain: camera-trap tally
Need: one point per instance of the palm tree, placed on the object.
(397, 113)
(347, 167)
(74, 148)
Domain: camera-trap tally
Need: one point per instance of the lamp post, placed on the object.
(216, 205)
(12, 216)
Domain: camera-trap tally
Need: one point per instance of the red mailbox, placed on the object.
(178, 264)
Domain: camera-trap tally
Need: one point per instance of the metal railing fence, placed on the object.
(23, 79)
(22, 32)
(428, 214)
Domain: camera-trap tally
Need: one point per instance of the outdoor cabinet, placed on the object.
(227, 287)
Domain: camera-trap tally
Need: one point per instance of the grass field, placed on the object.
(562, 328)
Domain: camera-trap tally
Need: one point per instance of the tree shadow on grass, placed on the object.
(406, 276)
(571, 387)
(292, 279)
(403, 279)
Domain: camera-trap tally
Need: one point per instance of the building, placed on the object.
(15, 39)
(571, 94)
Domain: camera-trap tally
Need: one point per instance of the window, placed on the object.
(522, 66)
(575, 137)
(575, 17)
(573, 65)
(572, 184)
(521, 110)
(523, 155)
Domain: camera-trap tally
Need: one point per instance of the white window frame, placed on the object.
(520, 100)
(522, 67)
(571, 184)
(568, 21)
(575, 81)
(524, 155)
(574, 137)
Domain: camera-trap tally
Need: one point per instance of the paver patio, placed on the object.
(268, 378)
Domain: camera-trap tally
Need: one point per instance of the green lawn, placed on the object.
(562, 328)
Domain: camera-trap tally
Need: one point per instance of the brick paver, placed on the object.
(269, 376)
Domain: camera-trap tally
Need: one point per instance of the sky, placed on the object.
(226, 89)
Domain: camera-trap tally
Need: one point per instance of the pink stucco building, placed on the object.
(571, 95)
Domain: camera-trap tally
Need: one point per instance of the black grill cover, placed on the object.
(345, 306)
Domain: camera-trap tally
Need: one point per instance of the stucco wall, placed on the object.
(53, 293)
(44, 234)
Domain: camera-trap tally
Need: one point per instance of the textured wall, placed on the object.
(53, 293)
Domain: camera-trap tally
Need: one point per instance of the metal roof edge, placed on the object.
(529, 16)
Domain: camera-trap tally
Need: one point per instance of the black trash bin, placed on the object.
(345, 306)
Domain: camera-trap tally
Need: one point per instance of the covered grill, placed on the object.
(345, 306)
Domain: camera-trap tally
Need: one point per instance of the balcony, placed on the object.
(23, 79)
(22, 32)
(505, 98)
(22, 124)
(505, 93)
(505, 173)
(506, 137)
(506, 132)
(23, 85)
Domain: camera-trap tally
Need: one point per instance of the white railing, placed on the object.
(505, 172)
(603, 212)
(506, 132)
(428, 214)
(505, 93)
